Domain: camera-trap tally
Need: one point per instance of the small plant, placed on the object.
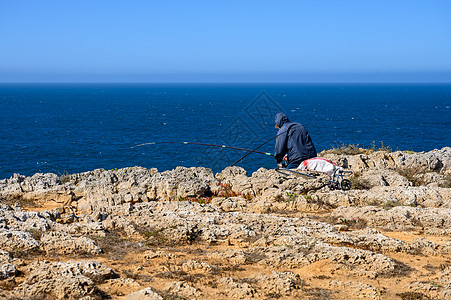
(356, 223)
(412, 175)
(444, 266)
(374, 202)
(149, 234)
(412, 296)
(359, 183)
(392, 203)
(447, 182)
(116, 244)
(36, 233)
(351, 149)
(200, 200)
(8, 285)
(291, 196)
(374, 148)
(435, 284)
(64, 178)
(416, 222)
(347, 149)
(247, 196)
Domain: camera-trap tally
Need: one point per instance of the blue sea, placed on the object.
(68, 128)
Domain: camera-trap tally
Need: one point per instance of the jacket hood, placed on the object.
(281, 119)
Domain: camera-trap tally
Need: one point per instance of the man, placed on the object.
(293, 142)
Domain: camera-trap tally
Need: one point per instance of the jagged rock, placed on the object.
(7, 268)
(445, 249)
(445, 276)
(182, 289)
(64, 280)
(384, 177)
(263, 179)
(39, 187)
(114, 222)
(84, 228)
(429, 288)
(279, 283)
(64, 243)
(397, 217)
(271, 195)
(144, 294)
(180, 183)
(432, 179)
(233, 257)
(229, 173)
(237, 290)
(388, 195)
(193, 265)
(358, 289)
(365, 262)
(236, 178)
(283, 257)
(230, 203)
(432, 161)
(372, 239)
(14, 240)
(150, 254)
(424, 246)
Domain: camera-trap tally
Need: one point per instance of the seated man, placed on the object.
(293, 142)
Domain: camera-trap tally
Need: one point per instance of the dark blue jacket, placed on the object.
(293, 140)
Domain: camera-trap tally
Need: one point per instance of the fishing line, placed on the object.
(204, 144)
(253, 150)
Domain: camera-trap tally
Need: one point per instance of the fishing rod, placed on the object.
(211, 145)
(254, 150)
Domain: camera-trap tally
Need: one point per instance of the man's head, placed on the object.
(281, 119)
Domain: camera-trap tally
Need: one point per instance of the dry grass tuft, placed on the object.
(115, 246)
(412, 296)
(411, 173)
(358, 183)
(351, 149)
(447, 182)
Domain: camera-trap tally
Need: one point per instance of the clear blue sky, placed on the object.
(320, 41)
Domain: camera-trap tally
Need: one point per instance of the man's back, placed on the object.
(293, 140)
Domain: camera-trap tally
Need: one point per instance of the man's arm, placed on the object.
(281, 146)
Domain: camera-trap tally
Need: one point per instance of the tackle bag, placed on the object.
(320, 164)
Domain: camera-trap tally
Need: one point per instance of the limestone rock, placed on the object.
(233, 257)
(64, 280)
(359, 289)
(64, 243)
(372, 239)
(14, 240)
(230, 204)
(193, 265)
(397, 217)
(7, 268)
(180, 183)
(144, 294)
(182, 289)
(384, 177)
(279, 283)
(236, 289)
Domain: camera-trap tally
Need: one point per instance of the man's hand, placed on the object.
(281, 165)
(285, 158)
